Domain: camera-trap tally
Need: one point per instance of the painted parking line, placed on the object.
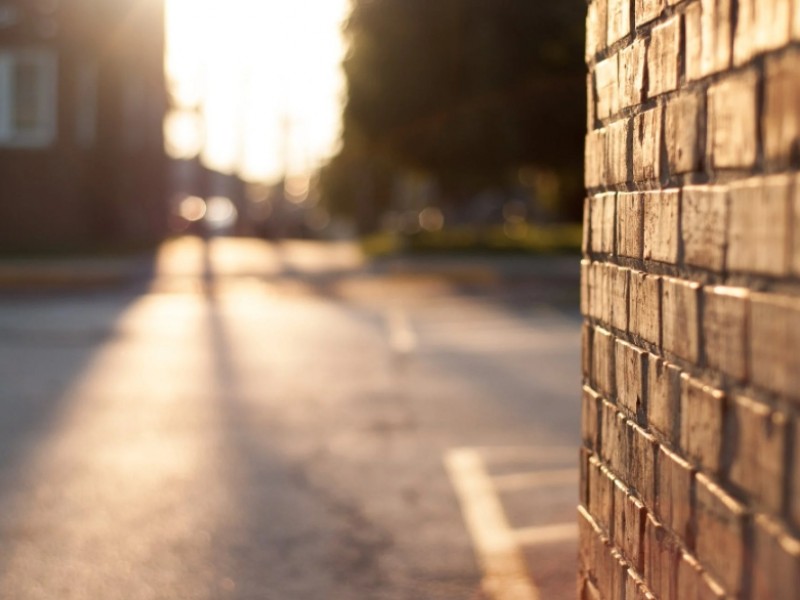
(505, 576)
(498, 546)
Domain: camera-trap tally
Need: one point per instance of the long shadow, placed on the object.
(286, 526)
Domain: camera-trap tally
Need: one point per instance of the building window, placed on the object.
(28, 98)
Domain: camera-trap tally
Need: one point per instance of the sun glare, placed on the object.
(264, 77)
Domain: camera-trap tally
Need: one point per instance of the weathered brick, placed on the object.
(732, 121)
(693, 57)
(781, 117)
(683, 117)
(774, 339)
(647, 10)
(595, 28)
(595, 174)
(661, 222)
(662, 57)
(721, 523)
(585, 289)
(761, 25)
(716, 32)
(661, 559)
(620, 278)
(758, 239)
(757, 444)
(603, 362)
(599, 290)
(702, 410)
(694, 583)
(584, 455)
(616, 152)
(602, 222)
(776, 562)
(601, 494)
(674, 499)
(725, 319)
(642, 466)
(631, 365)
(620, 459)
(619, 20)
(591, 104)
(588, 533)
(590, 414)
(631, 73)
(645, 307)
(630, 212)
(609, 432)
(704, 216)
(663, 397)
(607, 87)
(679, 318)
(647, 145)
(630, 514)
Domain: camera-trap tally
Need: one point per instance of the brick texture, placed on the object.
(690, 290)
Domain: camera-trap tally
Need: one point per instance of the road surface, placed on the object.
(278, 422)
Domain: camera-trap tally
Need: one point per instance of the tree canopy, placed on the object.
(465, 89)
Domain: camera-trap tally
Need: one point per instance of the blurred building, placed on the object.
(82, 100)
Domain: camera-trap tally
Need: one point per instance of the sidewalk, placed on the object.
(31, 274)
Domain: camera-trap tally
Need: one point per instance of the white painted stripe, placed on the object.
(524, 481)
(505, 576)
(546, 534)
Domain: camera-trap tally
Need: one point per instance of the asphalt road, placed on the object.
(283, 423)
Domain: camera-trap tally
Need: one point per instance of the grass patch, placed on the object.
(562, 238)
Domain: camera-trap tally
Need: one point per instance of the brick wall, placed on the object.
(690, 463)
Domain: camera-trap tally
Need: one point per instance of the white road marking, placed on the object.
(505, 576)
(523, 481)
(546, 534)
(401, 335)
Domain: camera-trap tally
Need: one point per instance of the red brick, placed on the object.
(774, 339)
(599, 290)
(673, 502)
(630, 212)
(702, 409)
(776, 562)
(693, 57)
(642, 466)
(603, 362)
(619, 20)
(781, 118)
(683, 124)
(662, 57)
(663, 397)
(661, 560)
(631, 365)
(721, 524)
(588, 533)
(679, 318)
(732, 121)
(606, 77)
(758, 240)
(601, 494)
(616, 152)
(725, 319)
(584, 456)
(704, 216)
(647, 10)
(586, 309)
(758, 448)
(595, 28)
(609, 432)
(602, 222)
(631, 74)
(629, 528)
(590, 410)
(761, 25)
(647, 145)
(595, 159)
(620, 278)
(661, 222)
(645, 307)
(716, 33)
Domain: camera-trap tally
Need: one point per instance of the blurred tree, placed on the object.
(466, 90)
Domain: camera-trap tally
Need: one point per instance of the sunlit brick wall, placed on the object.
(690, 463)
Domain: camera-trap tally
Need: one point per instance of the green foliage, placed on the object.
(465, 89)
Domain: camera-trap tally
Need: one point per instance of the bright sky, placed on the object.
(266, 78)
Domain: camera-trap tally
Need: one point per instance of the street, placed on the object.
(288, 422)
